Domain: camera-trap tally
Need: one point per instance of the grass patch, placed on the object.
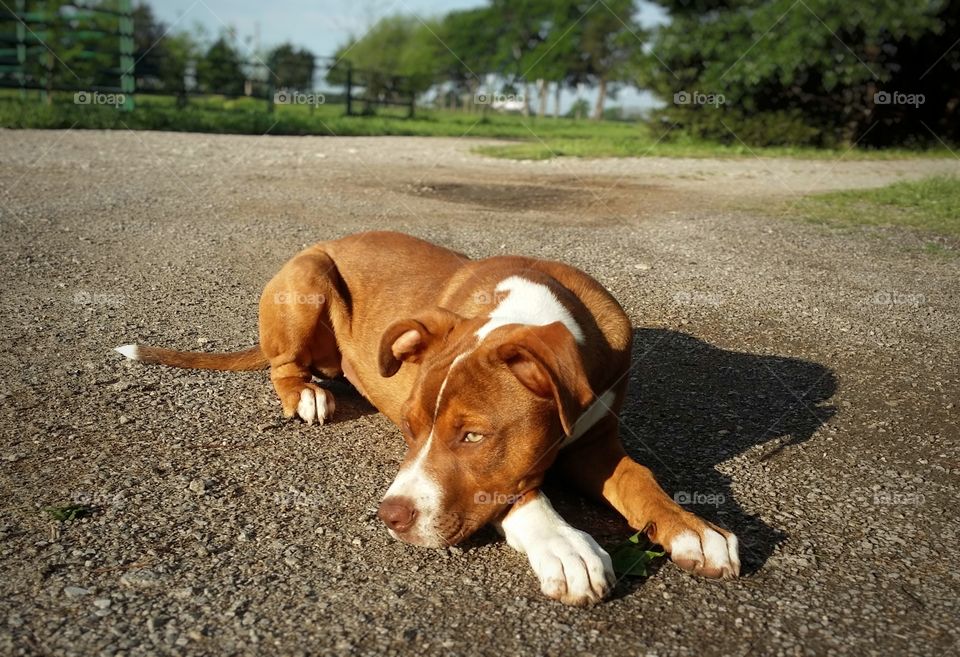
(643, 143)
(250, 116)
(535, 138)
(932, 204)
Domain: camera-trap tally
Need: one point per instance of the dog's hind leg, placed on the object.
(297, 336)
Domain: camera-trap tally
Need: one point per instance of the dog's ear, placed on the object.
(546, 360)
(407, 340)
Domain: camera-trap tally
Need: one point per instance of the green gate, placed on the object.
(38, 38)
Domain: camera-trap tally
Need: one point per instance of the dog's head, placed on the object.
(484, 421)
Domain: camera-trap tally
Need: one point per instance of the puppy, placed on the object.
(495, 371)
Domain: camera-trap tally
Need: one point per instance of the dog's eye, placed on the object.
(472, 437)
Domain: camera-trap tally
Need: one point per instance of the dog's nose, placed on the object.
(398, 513)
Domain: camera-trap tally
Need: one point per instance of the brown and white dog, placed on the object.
(496, 370)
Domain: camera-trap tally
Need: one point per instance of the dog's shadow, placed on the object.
(692, 406)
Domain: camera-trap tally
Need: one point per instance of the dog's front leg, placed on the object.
(601, 467)
(570, 565)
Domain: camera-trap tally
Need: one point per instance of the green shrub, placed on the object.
(720, 124)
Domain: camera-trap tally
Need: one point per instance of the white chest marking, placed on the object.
(529, 303)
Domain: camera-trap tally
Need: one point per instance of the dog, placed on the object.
(495, 371)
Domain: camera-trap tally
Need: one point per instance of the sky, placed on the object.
(322, 26)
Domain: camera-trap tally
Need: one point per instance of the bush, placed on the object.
(781, 128)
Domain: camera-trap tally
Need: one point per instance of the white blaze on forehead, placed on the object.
(533, 304)
(415, 482)
(456, 361)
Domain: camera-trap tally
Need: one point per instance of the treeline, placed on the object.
(183, 62)
(525, 47)
(75, 45)
(766, 72)
(819, 72)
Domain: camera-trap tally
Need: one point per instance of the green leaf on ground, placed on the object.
(631, 558)
(69, 512)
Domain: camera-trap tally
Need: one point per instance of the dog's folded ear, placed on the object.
(546, 360)
(407, 340)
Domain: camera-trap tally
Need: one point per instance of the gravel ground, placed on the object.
(797, 384)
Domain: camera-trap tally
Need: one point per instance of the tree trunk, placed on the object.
(556, 101)
(49, 73)
(469, 102)
(601, 100)
(542, 93)
(526, 98)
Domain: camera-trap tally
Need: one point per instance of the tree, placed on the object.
(471, 40)
(161, 59)
(524, 27)
(220, 71)
(399, 51)
(611, 40)
(572, 42)
(181, 50)
(813, 72)
(290, 67)
(557, 53)
(148, 47)
(579, 109)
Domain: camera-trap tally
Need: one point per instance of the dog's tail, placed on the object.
(236, 361)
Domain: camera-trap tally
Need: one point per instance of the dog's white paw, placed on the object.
(573, 568)
(570, 565)
(316, 405)
(706, 551)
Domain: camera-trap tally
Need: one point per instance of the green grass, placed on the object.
(249, 116)
(534, 138)
(932, 204)
(644, 141)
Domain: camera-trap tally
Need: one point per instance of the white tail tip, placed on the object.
(130, 351)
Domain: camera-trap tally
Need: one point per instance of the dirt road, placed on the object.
(794, 383)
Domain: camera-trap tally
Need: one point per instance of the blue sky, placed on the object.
(322, 26)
